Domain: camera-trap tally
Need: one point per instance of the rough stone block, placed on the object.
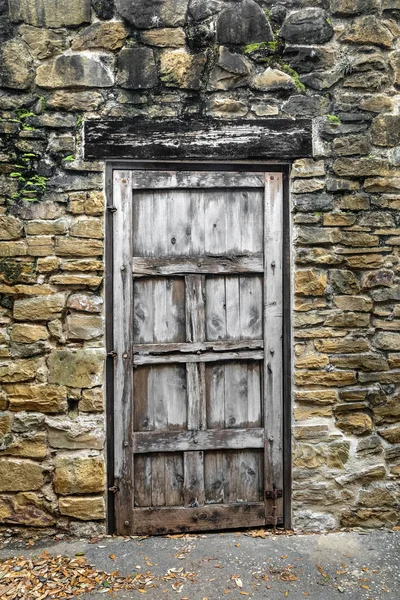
(77, 368)
(92, 400)
(84, 327)
(110, 36)
(310, 283)
(309, 24)
(153, 13)
(78, 475)
(15, 74)
(272, 80)
(26, 508)
(356, 423)
(181, 69)
(42, 308)
(18, 370)
(164, 38)
(76, 435)
(44, 42)
(367, 30)
(325, 378)
(89, 508)
(88, 228)
(47, 13)
(10, 228)
(37, 397)
(75, 70)
(243, 23)
(29, 447)
(137, 68)
(20, 475)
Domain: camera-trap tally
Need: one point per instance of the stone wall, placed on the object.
(70, 60)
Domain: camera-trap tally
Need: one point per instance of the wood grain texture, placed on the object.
(122, 319)
(192, 358)
(155, 180)
(153, 521)
(273, 328)
(211, 439)
(185, 139)
(202, 265)
(198, 347)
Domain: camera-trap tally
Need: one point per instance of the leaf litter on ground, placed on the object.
(55, 577)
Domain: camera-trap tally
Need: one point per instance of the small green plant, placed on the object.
(294, 75)
(333, 119)
(253, 47)
(42, 101)
(69, 158)
(79, 120)
(31, 185)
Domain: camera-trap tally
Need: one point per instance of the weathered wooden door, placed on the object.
(197, 311)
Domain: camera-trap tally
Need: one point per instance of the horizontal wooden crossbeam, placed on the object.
(144, 267)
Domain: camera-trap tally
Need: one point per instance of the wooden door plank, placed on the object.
(232, 302)
(215, 308)
(174, 478)
(236, 395)
(215, 477)
(179, 223)
(215, 223)
(158, 479)
(254, 403)
(122, 324)
(194, 479)
(215, 396)
(196, 215)
(143, 226)
(213, 265)
(192, 348)
(273, 328)
(195, 308)
(196, 179)
(233, 221)
(150, 521)
(211, 439)
(252, 221)
(142, 481)
(196, 388)
(192, 358)
(251, 307)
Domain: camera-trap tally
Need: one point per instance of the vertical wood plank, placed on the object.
(196, 216)
(195, 308)
(123, 321)
(251, 307)
(174, 479)
(232, 301)
(158, 479)
(215, 396)
(215, 309)
(233, 222)
(254, 395)
(196, 387)
(215, 222)
(142, 481)
(236, 394)
(273, 328)
(252, 219)
(194, 479)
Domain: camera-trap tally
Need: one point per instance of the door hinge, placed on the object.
(272, 494)
(113, 489)
(112, 208)
(112, 354)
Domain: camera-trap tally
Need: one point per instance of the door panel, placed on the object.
(196, 301)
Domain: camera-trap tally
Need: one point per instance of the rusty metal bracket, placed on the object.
(274, 495)
(114, 489)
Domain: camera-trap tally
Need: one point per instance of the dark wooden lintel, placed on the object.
(203, 139)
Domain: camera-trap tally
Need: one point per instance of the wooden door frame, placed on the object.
(265, 166)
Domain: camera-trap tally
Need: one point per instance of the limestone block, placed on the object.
(304, 413)
(366, 261)
(358, 303)
(75, 70)
(103, 10)
(307, 167)
(10, 228)
(356, 423)
(43, 398)
(387, 341)
(377, 471)
(344, 281)
(313, 202)
(273, 80)
(354, 7)
(47, 13)
(110, 36)
(25, 422)
(77, 279)
(309, 24)
(378, 494)
(85, 432)
(243, 23)
(42, 308)
(390, 434)
(29, 447)
(58, 226)
(18, 475)
(44, 42)
(367, 30)
(74, 101)
(89, 508)
(26, 508)
(92, 400)
(77, 368)
(325, 378)
(82, 265)
(84, 327)
(200, 10)
(166, 37)
(91, 203)
(388, 412)
(385, 130)
(78, 475)
(181, 69)
(15, 74)
(310, 283)
(227, 107)
(85, 302)
(318, 235)
(316, 396)
(351, 145)
(361, 167)
(18, 370)
(85, 247)
(367, 517)
(88, 228)
(146, 14)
